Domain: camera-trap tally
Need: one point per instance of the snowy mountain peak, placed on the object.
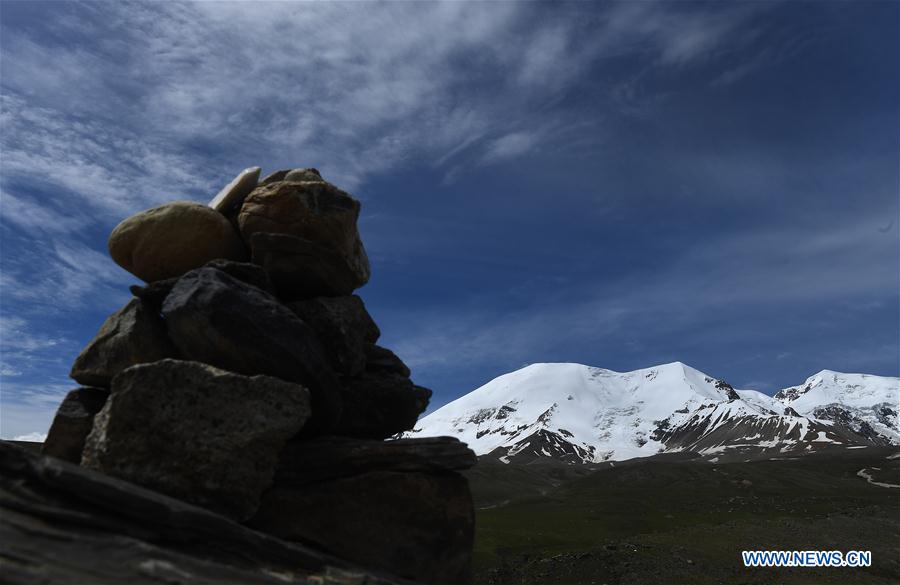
(583, 413)
(866, 403)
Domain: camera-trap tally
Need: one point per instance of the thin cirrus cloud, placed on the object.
(293, 79)
(110, 108)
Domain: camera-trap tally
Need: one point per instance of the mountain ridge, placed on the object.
(584, 414)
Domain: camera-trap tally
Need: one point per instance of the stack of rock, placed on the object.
(244, 377)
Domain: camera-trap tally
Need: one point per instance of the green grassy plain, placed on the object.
(684, 522)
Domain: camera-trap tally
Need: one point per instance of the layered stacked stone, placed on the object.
(245, 377)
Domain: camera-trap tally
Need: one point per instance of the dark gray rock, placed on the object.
(302, 269)
(343, 326)
(135, 334)
(378, 405)
(215, 319)
(325, 458)
(73, 422)
(246, 272)
(195, 432)
(62, 524)
(154, 293)
(381, 359)
(416, 525)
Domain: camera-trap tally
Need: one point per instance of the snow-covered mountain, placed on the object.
(867, 404)
(584, 414)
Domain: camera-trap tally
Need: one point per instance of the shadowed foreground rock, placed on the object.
(254, 390)
(380, 404)
(412, 514)
(134, 334)
(61, 524)
(195, 432)
(73, 422)
(301, 268)
(343, 326)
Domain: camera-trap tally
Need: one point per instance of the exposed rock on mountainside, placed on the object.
(581, 414)
(218, 383)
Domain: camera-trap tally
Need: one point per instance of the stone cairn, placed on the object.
(245, 378)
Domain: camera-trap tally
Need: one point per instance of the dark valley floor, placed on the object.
(671, 520)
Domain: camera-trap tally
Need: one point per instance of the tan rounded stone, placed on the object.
(169, 240)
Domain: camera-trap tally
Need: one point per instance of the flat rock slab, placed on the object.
(216, 319)
(135, 334)
(323, 458)
(416, 525)
(62, 524)
(196, 432)
(234, 193)
(73, 423)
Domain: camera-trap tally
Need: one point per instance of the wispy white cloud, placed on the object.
(510, 146)
(128, 121)
(150, 102)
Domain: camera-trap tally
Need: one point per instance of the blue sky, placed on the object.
(617, 184)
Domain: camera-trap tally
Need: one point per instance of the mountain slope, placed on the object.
(579, 413)
(867, 404)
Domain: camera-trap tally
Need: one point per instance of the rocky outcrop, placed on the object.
(171, 239)
(133, 335)
(62, 524)
(256, 390)
(195, 432)
(73, 422)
